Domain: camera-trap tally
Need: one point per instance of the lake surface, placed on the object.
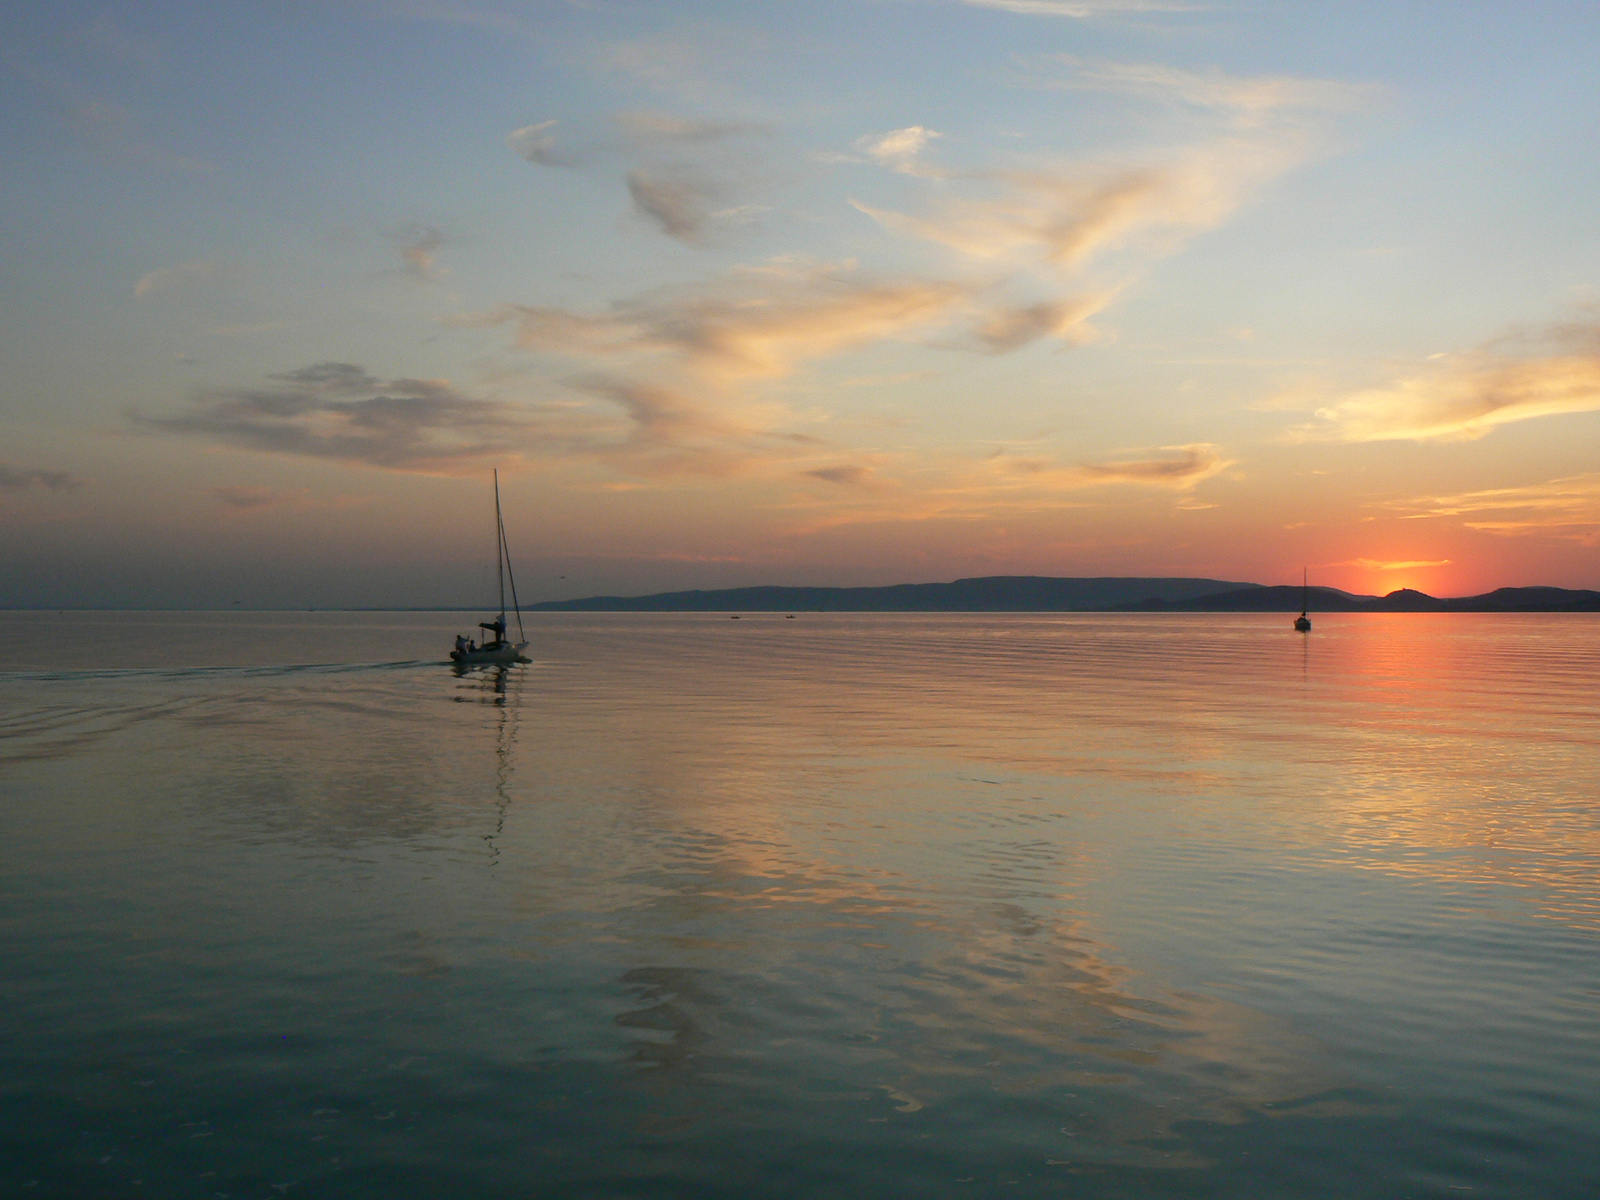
(840, 906)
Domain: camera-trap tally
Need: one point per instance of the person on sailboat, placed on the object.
(461, 643)
(496, 627)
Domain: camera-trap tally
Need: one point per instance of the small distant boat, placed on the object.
(496, 650)
(1302, 623)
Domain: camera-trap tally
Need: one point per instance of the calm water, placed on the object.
(842, 906)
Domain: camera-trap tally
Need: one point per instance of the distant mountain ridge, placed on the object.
(990, 593)
(1287, 599)
(1042, 593)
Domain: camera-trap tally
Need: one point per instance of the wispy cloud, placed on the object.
(758, 322)
(672, 433)
(246, 498)
(243, 500)
(690, 177)
(900, 150)
(1178, 467)
(418, 247)
(175, 278)
(1567, 508)
(1064, 214)
(1463, 398)
(1002, 328)
(339, 412)
(685, 366)
(1001, 486)
(1378, 564)
(850, 475)
(1251, 100)
(537, 144)
(19, 479)
(679, 199)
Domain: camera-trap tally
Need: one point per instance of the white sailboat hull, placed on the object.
(504, 653)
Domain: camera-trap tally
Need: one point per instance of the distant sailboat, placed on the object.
(1302, 623)
(496, 649)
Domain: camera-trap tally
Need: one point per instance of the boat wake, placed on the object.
(53, 714)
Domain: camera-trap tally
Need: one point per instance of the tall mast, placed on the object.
(1305, 576)
(499, 551)
(511, 578)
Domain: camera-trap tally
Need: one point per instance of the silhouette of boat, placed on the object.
(1302, 623)
(496, 650)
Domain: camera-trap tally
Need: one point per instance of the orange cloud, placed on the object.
(1465, 399)
(1001, 486)
(1373, 564)
(1567, 508)
(1069, 215)
(753, 323)
(1184, 467)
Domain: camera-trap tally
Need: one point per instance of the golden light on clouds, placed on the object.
(753, 323)
(1567, 509)
(1464, 399)
(1373, 564)
(1178, 467)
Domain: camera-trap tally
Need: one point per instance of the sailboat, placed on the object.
(1302, 623)
(496, 649)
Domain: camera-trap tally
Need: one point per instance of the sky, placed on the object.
(852, 292)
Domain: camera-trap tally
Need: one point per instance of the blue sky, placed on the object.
(850, 292)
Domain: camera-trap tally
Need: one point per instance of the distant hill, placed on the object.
(1528, 599)
(1287, 599)
(1041, 593)
(1256, 598)
(992, 593)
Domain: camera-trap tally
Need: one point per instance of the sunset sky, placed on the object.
(842, 292)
